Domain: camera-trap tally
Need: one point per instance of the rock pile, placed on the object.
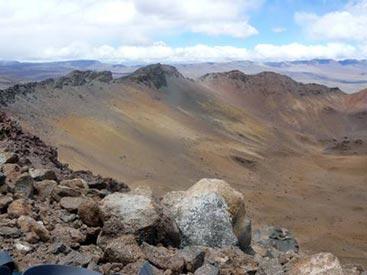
(51, 214)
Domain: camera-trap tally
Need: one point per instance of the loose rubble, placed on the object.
(51, 214)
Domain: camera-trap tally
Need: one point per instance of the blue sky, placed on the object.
(270, 16)
(139, 31)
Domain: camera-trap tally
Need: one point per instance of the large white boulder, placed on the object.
(204, 220)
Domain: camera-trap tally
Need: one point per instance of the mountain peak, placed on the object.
(78, 78)
(154, 75)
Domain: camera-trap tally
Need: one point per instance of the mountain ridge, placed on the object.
(348, 75)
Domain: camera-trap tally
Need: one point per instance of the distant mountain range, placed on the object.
(349, 75)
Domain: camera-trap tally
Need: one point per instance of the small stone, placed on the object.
(31, 237)
(77, 183)
(123, 250)
(8, 157)
(9, 232)
(4, 203)
(76, 258)
(88, 212)
(41, 232)
(28, 224)
(44, 188)
(68, 218)
(22, 247)
(25, 223)
(193, 257)
(207, 269)
(274, 237)
(23, 186)
(164, 258)
(71, 203)
(10, 169)
(58, 248)
(231, 260)
(19, 208)
(42, 174)
(68, 235)
(60, 191)
(270, 266)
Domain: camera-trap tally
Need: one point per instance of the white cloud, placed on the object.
(29, 27)
(348, 24)
(160, 52)
(299, 51)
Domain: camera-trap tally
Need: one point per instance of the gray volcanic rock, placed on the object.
(204, 220)
(278, 238)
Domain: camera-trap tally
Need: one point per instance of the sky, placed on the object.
(182, 31)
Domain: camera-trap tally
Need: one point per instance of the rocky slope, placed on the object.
(51, 214)
(298, 152)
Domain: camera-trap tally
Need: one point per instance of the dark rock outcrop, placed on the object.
(154, 75)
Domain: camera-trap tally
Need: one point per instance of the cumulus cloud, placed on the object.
(348, 24)
(28, 27)
(127, 31)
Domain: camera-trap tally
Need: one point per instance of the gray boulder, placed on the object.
(140, 214)
(204, 220)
